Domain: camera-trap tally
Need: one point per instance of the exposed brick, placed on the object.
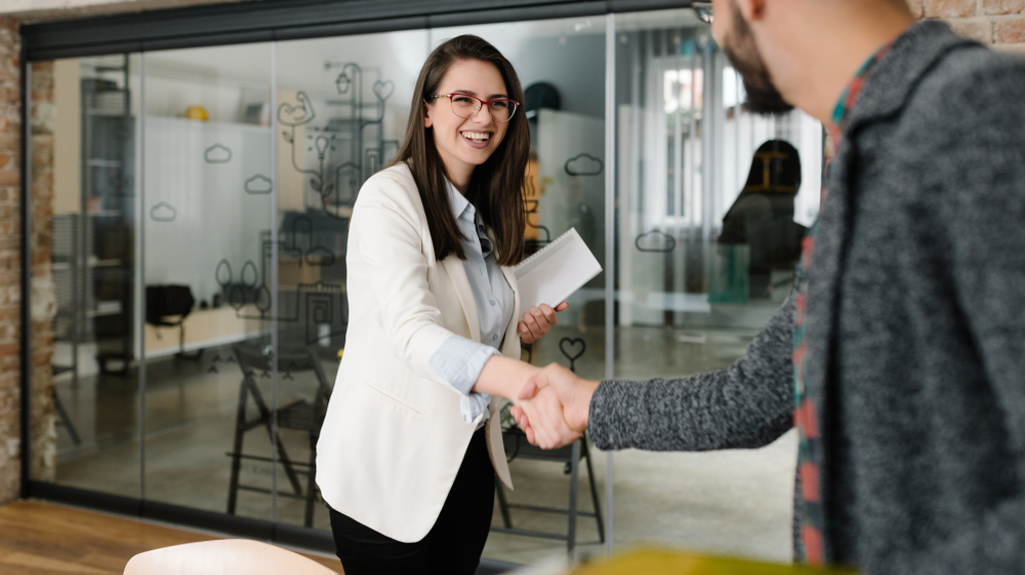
(978, 29)
(1009, 31)
(949, 8)
(1018, 49)
(999, 7)
(10, 296)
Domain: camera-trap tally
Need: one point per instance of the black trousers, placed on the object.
(453, 546)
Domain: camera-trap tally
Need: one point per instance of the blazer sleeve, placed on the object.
(386, 228)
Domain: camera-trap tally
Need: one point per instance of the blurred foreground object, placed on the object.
(223, 557)
(651, 561)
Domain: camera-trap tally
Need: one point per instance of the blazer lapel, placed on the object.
(457, 273)
(511, 346)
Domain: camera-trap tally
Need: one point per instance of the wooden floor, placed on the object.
(41, 538)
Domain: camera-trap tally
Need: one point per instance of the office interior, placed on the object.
(196, 291)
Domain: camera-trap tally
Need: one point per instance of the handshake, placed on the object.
(553, 406)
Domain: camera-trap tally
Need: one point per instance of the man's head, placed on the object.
(803, 53)
(739, 45)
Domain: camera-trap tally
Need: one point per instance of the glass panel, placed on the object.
(343, 104)
(705, 255)
(85, 390)
(206, 216)
(561, 65)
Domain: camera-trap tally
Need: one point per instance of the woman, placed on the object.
(404, 460)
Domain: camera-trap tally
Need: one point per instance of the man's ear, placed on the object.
(427, 118)
(751, 10)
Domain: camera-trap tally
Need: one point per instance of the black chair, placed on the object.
(300, 415)
(517, 446)
(171, 301)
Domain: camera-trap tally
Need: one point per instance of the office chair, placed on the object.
(300, 415)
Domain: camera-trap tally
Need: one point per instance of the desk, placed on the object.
(206, 328)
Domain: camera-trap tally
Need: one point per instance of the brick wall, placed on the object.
(43, 303)
(1000, 23)
(10, 294)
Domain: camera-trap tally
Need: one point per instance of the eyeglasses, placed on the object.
(466, 106)
(703, 10)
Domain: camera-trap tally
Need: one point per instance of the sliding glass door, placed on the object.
(191, 210)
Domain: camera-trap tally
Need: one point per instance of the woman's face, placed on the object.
(464, 143)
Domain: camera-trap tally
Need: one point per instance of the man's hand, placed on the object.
(537, 321)
(550, 430)
(573, 393)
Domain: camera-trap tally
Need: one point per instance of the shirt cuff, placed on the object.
(473, 405)
(460, 361)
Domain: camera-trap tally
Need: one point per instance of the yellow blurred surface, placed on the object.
(651, 561)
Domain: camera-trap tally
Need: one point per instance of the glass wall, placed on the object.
(205, 258)
(195, 260)
(561, 64)
(342, 107)
(85, 255)
(710, 210)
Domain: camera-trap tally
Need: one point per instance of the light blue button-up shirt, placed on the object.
(459, 360)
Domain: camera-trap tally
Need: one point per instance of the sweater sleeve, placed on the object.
(747, 405)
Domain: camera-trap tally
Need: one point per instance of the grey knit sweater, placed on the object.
(915, 325)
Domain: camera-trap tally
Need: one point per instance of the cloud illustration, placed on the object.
(320, 256)
(217, 154)
(258, 184)
(656, 242)
(163, 212)
(584, 165)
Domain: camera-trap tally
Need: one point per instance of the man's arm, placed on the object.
(747, 405)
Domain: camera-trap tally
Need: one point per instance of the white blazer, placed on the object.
(393, 438)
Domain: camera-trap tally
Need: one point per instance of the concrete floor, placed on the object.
(735, 502)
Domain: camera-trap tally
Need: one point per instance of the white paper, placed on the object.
(555, 272)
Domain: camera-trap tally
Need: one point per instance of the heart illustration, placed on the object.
(572, 344)
(383, 90)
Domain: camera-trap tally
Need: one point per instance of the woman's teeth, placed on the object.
(477, 136)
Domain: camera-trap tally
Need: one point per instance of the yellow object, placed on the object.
(196, 113)
(340, 352)
(650, 561)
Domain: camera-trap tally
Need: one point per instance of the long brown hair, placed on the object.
(496, 186)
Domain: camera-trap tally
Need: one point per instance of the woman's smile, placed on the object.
(476, 139)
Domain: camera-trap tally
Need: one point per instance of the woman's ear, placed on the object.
(427, 115)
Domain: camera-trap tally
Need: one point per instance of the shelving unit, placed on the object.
(93, 256)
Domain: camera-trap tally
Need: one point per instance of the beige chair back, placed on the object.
(224, 557)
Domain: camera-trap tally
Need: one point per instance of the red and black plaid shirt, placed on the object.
(809, 456)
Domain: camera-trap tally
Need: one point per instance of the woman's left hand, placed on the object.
(537, 321)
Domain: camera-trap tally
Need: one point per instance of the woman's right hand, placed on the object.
(548, 428)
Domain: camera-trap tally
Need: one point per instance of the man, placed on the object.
(901, 355)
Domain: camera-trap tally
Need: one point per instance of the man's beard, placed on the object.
(739, 46)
